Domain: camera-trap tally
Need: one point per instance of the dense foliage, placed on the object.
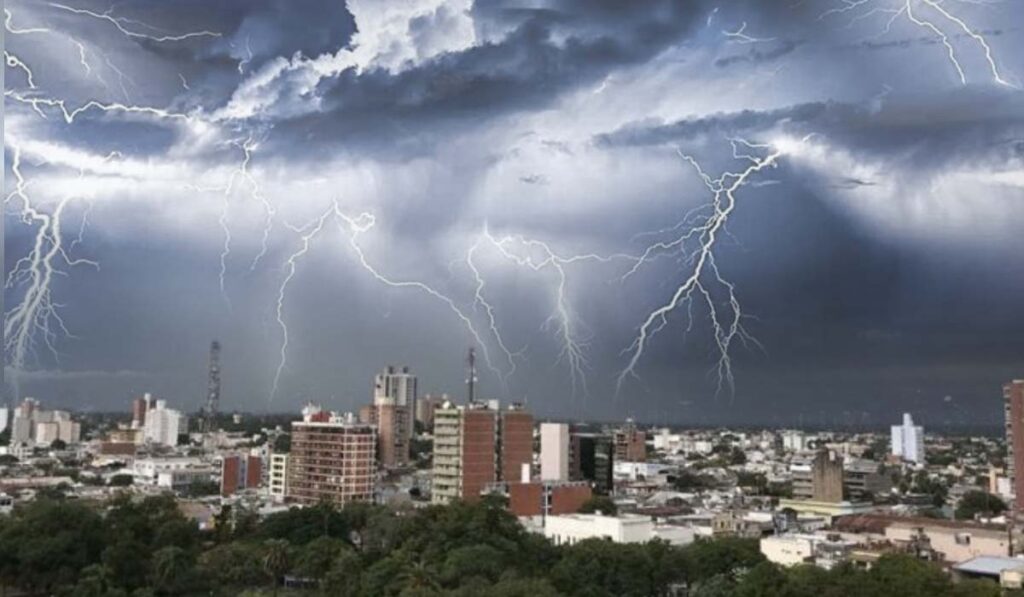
(147, 548)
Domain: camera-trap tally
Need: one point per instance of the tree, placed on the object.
(314, 560)
(283, 443)
(97, 581)
(600, 503)
(975, 503)
(121, 480)
(276, 560)
(171, 567)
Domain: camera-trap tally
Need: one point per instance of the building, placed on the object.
(630, 444)
(908, 440)
(573, 528)
(240, 471)
(819, 479)
(139, 408)
(164, 425)
(515, 442)
(864, 479)
(554, 452)
(823, 549)
(1013, 395)
(539, 498)
(5, 414)
(464, 452)
(425, 408)
(278, 476)
(592, 458)
(392, 411)
(32, 425)
(171, 473)
(332, 459)
(392, 424)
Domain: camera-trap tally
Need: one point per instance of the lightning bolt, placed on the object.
(307, 234)
(36, 314)
(704, 277)
(739, 36)
(120, 24)
(936, 25)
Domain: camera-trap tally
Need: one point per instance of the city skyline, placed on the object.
(327, 188)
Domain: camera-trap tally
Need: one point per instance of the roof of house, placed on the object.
(989, 565)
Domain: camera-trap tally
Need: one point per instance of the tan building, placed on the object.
(425, 408)
(332, 459)
(819, 479)
(630, 444)
(465, 456)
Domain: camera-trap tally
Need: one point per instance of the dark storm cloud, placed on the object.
(547, 52)
(756, 56)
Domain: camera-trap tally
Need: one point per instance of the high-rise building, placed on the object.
(164, 425)
(425, 408)
(630, 444)
(278, 476)
(554, 452)
(35, 425)
(592, 458)
(464, 452)
(516, 442)
(331, 459)
(139, 408)
(5, 414)
(396, 387)
(1013, 395)
(240, 471)
(908, 440)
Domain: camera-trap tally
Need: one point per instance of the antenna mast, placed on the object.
(213, 395)
(471, 381)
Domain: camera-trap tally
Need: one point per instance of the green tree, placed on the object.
(314, 560)
(171, 568)
(276, 560)
(97, 581)
(600, 503)
(975, 503)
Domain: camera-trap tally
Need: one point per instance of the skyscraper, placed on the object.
(331, 459)
(554, 452)
(1013, 394)
(592, 458)
(465, 458)
(908, 440)
(630, 443)
(394, 405)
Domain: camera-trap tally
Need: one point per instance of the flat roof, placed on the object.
(989, 565)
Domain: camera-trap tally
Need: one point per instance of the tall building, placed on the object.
(554, 452)
(394, 405)
(820, 478)
(465, 458)
(278, 476)
(425, 408)
(331, 459)
(139, 408)
(592, 458)
(1013, 395)
(34, 425)
(516, 442)
(164, 425)
(396, 387)
(908, 440)
(240, 471)
(630, 444)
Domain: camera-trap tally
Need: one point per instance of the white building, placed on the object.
(171, 473)
(4, 417)
(554, 452)
(278, 476)
(908, 440)
(794, 441)
(164, 425)
(572, 528)
(392, 386)
(822, 549)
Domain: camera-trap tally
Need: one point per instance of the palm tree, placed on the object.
(170, 564)
(275, 562)
(420, 575)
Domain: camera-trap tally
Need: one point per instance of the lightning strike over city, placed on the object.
(615, 208)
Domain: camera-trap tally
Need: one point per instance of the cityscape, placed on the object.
(933, 508)
(513, 298)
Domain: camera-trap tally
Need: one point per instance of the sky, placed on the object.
(688, 212)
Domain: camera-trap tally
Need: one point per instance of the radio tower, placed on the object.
(471, 381)
(213, 396)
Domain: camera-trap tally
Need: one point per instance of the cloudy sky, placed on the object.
(691, 212)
